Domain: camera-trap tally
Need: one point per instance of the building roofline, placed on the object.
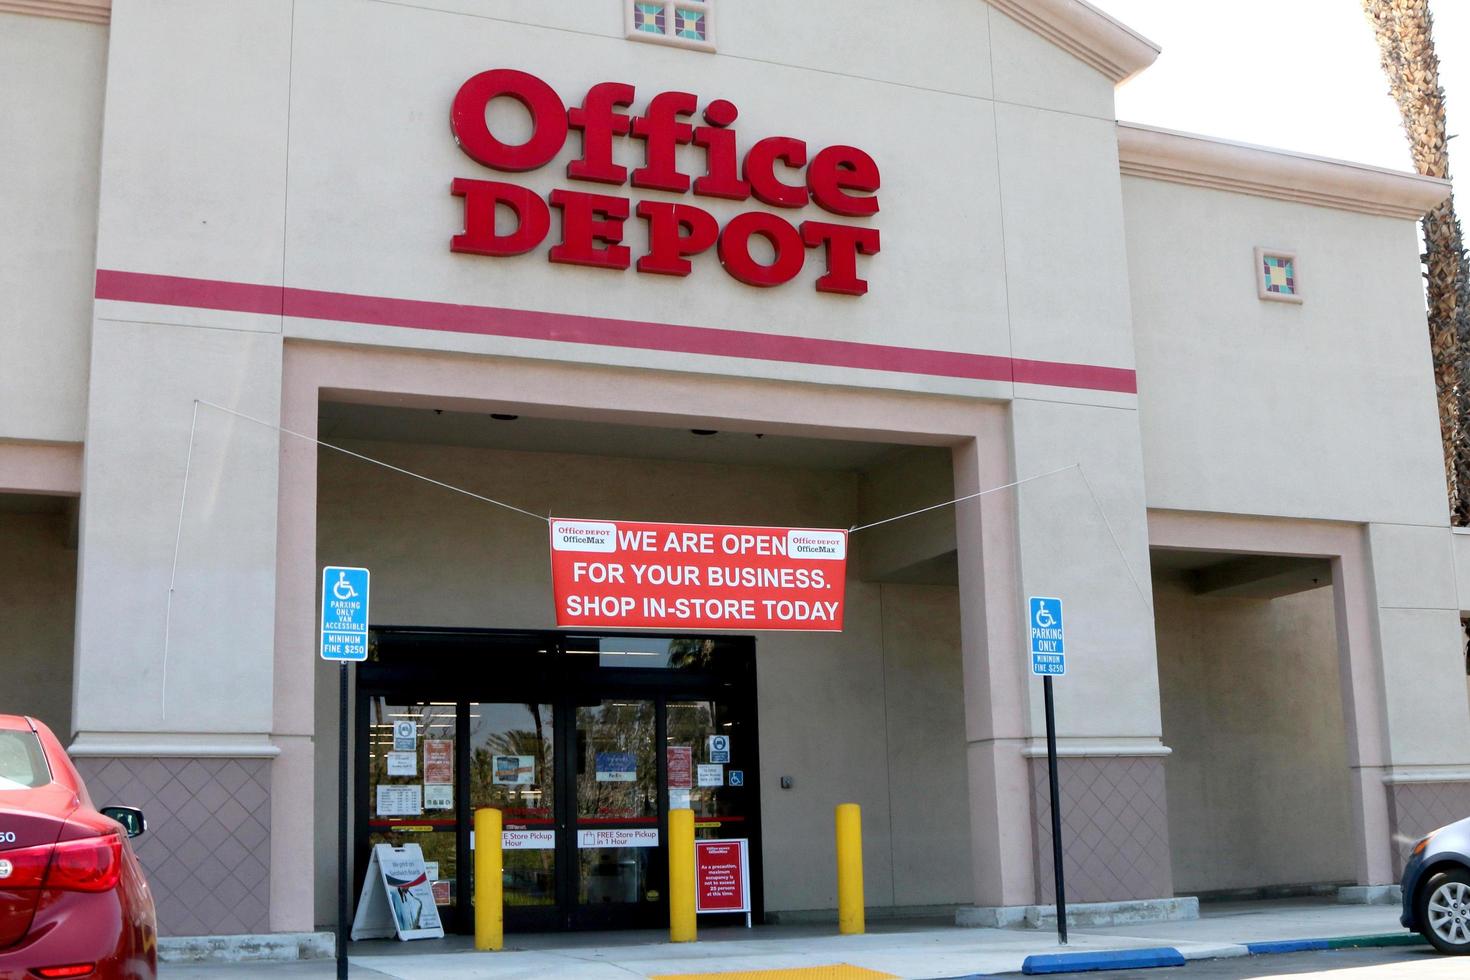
(1261, 171)
(1085, 32)
(86, 11)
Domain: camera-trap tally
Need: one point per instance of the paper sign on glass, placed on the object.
(681, 767)
(527, 840)
(400, 801)
(617, 767)
(405, 736)
(438, 796)
(438, 760)
(402, 764)
(637, 837)
(711, 775)
(514, 770)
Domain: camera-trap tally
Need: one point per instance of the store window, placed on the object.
(682, 23)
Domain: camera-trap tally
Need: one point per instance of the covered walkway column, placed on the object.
(300, 808)
(995, 723)
(1076, 530)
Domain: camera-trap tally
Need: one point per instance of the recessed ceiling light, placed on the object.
(502, 417)
(705, 432)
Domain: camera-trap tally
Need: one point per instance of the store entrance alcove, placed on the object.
(874, 713)
(1259, 789)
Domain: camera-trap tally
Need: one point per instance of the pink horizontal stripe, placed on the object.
(202, 294)
(490, 321)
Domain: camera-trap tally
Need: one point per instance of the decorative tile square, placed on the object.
(689, 23)
(1277, 275)
(649, 18)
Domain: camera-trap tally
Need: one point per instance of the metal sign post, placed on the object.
(344, 639)
(344, 900)
(1048, 660)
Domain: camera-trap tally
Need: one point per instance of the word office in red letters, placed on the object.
(841, 180)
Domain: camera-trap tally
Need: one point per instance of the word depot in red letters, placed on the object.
(839, 179)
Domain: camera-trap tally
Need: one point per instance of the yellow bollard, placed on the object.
(850, 869)
(681, 876)
(489, 888)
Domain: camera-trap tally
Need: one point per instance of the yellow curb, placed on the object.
(835, 971)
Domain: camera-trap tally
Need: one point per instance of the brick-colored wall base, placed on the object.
(207, 850)
(1115, 829)
(1417, 808)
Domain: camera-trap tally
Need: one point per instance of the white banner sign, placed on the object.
(637, 837)
(527, 840)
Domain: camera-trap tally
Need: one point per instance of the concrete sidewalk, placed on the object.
(919, 949)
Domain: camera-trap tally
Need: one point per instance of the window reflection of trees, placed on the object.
(691, 653)
(691, 723)
(529, 873)
(523, 801)
(617, 726)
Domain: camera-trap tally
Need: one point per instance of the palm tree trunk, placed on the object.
(1406, 49)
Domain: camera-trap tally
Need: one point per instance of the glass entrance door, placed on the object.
(618, 825)
(410, 787)
(512, 767)
(581, 749)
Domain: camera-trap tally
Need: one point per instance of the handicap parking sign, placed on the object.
(1048, 641)
(344, 613)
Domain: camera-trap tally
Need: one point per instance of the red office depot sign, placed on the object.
(721, 876)
(633, 575)
(840, 179)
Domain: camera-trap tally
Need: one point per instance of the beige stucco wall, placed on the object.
(873, 715)
(51, 85)
(1323, 409)
(38, 585)
(136, 517)
(1258, 782)
(359, 201)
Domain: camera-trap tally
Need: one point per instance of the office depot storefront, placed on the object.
(792, 276)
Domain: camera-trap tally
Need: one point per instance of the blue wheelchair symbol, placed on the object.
(737, 777)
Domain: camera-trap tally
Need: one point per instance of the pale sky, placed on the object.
(1297, 74)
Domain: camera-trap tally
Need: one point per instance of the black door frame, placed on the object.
(462, 666)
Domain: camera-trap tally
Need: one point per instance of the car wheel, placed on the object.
(1444, 911)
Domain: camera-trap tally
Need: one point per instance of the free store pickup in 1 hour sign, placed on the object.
(633, 575)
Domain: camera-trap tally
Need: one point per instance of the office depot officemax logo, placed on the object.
(840, 179)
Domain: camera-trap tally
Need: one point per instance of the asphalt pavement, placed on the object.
(1227, 941)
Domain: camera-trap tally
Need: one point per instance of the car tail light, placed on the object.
(71, 970)
(91, 864)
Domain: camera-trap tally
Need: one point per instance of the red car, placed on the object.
(73, 899)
